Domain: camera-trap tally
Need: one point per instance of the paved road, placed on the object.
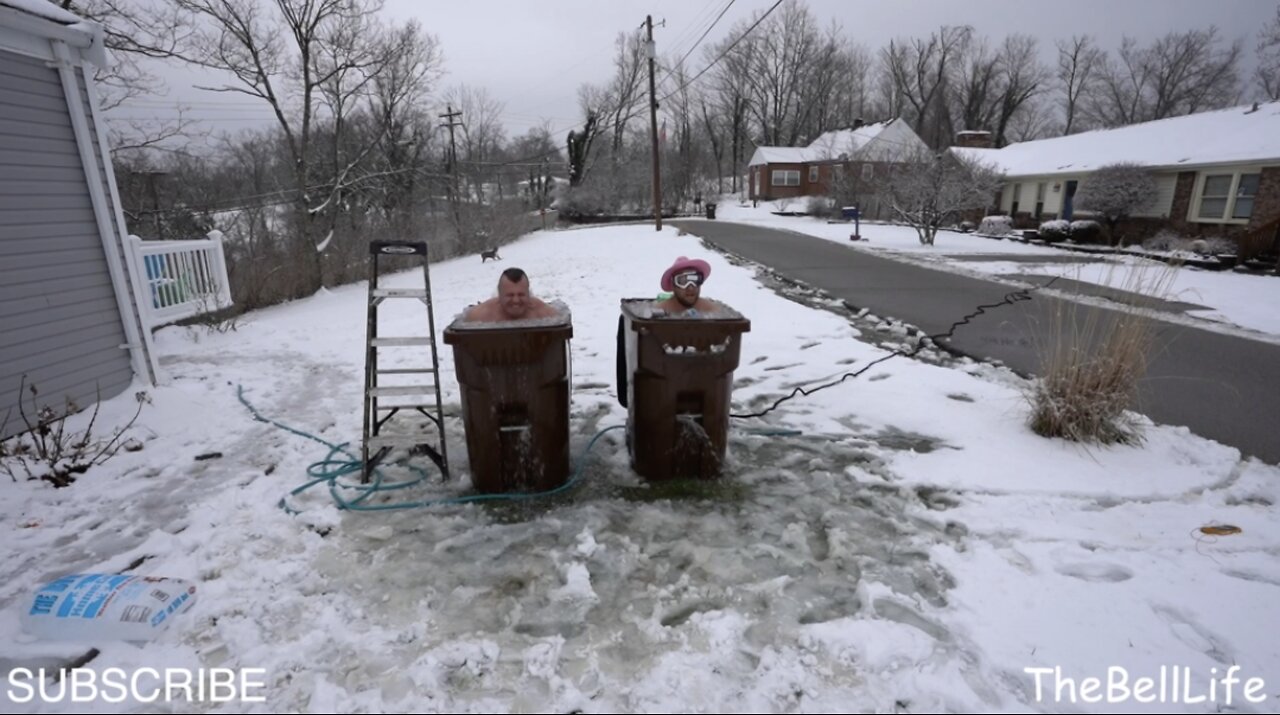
(1223, 387)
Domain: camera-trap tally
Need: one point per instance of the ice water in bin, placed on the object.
(679, 382)
(514, 378)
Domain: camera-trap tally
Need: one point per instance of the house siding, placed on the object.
(1162, 205)
(59, 320)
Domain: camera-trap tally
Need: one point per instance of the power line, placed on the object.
(726, 51)
(700, 39)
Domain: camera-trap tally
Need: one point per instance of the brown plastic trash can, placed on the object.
(680, 380)
(515, 403)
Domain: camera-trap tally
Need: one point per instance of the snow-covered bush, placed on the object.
(585, 200)
(927, 191)
(995, 226)
(967, 227)
(1086, 231)
(1115, 191)
(821, 206)
(1164, 240)
(1217, 246)
(1055, 231)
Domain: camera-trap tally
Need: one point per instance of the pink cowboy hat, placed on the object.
(684, 264)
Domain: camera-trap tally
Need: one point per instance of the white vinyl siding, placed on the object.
(1162, 205)
(58, 313)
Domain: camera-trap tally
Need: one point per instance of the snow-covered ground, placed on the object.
(1231, 299)
(915, 549)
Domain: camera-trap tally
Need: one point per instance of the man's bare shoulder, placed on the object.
(541, 309)
(484, 312)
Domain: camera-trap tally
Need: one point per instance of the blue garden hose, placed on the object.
(330, 469)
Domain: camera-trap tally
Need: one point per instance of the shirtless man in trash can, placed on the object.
(513, 302)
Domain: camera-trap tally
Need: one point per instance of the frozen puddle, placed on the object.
(773, 589)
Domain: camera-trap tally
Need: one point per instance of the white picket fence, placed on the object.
(181, 278)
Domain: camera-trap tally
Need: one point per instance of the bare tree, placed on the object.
(1079, 62)
(780, 55)
(627, 91)
(927, 191)
(398, 93)
(135, 33)
(976, 88)
(482, 135)
(1023, 77)
(1267, 73)
(299, 57)
(1179, 73)
(729, 100)
(1115, 191)
(1036, 120)
(921, 70)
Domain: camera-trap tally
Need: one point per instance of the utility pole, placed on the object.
(449, 116)
(653, 131)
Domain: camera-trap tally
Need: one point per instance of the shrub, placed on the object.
(995, 226)
(1217, 246)
(586, 200)
(967, 227)
(1055, 231)
(1091, 362)
(1164, 240)
(48, 451)
(1086, 231)
(821, 206)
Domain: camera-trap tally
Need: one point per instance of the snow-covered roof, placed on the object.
(780, 155)
(827, 147)
(845, 141)
(44, 20)
(1226, 136)
(43, 8)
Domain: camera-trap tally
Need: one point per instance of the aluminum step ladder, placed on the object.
(382, 403)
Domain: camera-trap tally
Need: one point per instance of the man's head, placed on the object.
(685, 278)
(686, 286)
(513, 293)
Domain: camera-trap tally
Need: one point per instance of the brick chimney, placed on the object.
(974, 138)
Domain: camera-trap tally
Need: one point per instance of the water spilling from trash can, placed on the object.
(515, 400)
(677, 377)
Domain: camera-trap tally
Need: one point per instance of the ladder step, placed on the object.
(408, 439)
(399, 293)
(407, 371)
(402, 390)
(388, 408)
(401, 342)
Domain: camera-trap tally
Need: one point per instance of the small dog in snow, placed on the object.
(491, 253)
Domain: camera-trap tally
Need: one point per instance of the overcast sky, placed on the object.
(533, 56)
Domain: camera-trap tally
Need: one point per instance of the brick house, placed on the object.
(854, 155)
(1217, 174)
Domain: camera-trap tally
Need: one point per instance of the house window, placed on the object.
(1246, 190)
(867, 171)
(786, 177)
(1040, 187)
(1017, 196)
(1227, 197)
(813, 174)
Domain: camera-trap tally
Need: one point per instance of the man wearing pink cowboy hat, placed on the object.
(684, 279)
